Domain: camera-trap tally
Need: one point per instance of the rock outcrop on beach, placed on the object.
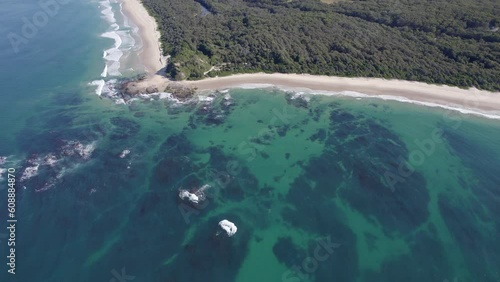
(180, 91)
(156, 84)
(130, 87)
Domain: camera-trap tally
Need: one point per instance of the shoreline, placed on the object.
(151, 53)
(471, 100)
(420, 92)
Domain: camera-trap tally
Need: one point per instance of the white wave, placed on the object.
(59, 162)
(205, 98)
(124, 42)
(50, 160)
(354, 94)
(73, 148)
(124, 153)
(120, 101)
(114, 68)
(86, 151)
(132, 32)
(7, 160)
(113, 35)
(128, 42)
(434, 105)
(30, 172)
(107, 11)
(147, 97)
(104, 72)
(164, 95)
(105, 88)
(45, 187)
(184, 194)
(113, 55)
(407, 100)
(300, 95)
(100, 86)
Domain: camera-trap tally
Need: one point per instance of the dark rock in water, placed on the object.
(215, 118)
(133, 107)
(316, 113)
(400, 208)
(215, 112)
(173, 167)
(282, 130)
(64, 98)
(211, 256)
(288, 253)
(233, 191)
(320, 135)
(427, 253)
(227, 101)
(467, 232)
(123, 128)
(168, 170)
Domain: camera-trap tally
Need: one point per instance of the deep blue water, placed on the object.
(56, 59)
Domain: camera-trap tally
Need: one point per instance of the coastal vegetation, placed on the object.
(454, 42)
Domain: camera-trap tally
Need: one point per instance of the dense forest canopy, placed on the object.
(454, 42)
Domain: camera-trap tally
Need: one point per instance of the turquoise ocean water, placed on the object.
(321, 188)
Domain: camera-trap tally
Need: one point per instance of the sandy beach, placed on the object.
(472, 98)
(421, 93)
(151, 55)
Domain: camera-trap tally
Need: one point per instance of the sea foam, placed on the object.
(123, 41)
(105, 71)
(107, 11)
(120, 32)
(455, 108)
(114, 54)
(358, 95)
(99, 86)
(29, 172)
